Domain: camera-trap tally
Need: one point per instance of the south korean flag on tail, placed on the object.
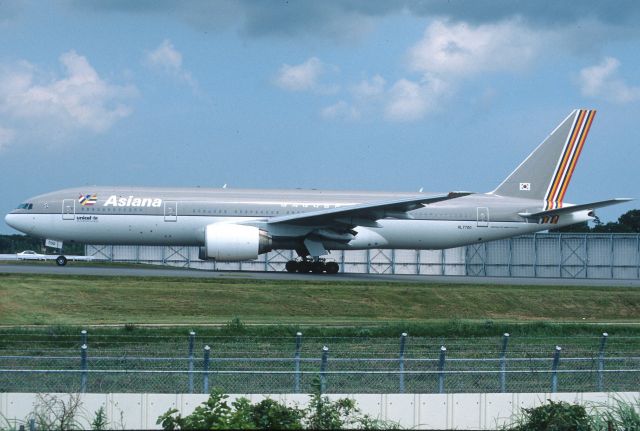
(525, 187)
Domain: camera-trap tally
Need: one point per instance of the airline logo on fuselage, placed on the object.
(132, 201)
(88, 200)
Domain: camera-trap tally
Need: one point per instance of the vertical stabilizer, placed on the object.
(546, 173)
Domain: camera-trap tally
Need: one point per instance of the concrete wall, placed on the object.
(416, 411)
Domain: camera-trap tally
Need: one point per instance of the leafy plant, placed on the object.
(214, 413)
(270, 414)
(324, 414)
(623, 415)
(99, 421)
(242, 415)
(321, 413)
(554, 416)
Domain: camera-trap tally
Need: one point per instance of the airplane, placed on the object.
(236, 225)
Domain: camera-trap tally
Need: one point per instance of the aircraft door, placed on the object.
(68, 209)
(170, 211)
(483, 217)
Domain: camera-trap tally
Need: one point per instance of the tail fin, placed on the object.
(546, 173)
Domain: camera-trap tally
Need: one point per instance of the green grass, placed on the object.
(85, 300)
(257, 320)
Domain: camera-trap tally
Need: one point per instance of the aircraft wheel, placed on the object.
(304, 266)
(332, 268)
(317, 267)
(61, 261)
(291, 266)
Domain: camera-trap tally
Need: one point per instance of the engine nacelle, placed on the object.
(233, 242)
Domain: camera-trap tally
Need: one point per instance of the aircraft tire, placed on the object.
(304, 266)
(61, 261)
(317, 267)
(291, 266)
(332, 268)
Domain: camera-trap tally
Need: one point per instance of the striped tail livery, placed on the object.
(546, 173)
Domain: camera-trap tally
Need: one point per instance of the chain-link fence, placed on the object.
(194, 364)
(557, 255)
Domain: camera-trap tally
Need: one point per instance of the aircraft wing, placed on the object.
(364, 214)
(574, 208)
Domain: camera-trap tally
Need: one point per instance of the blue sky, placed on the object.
(343, 94)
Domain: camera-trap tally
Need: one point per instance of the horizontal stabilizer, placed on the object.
(574, 208)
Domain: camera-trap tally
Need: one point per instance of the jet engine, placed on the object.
(233, 242)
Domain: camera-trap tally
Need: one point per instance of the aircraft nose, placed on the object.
(10, 220)
(17, 221)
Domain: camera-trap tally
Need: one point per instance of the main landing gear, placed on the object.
(317, 266)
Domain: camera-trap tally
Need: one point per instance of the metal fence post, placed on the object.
(443, 352)
(393, 261)
(535, 254)
(296, 388)
(554, 370)
(84, 366)
(403, 341)
(503, 363)
(603, 344)
(323, 369)
(192, 339)
(83, 337)
(205, 368)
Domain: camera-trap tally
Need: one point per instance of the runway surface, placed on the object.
(114, 271)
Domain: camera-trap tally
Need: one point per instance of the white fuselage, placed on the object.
(180, 216)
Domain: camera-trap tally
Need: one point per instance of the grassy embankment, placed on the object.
(83, 300)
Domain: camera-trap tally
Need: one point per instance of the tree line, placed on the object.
(10, 244)
(628, 222)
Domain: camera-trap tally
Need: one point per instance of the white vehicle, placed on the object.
(30, 255)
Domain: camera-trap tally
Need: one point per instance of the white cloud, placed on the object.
(81, 100)
(369, 88)
(367, 95)
(602, 82)
(462, 49)
(341, 110)
(169, 60)
(410, 101)
(301, 77)
(447, 54)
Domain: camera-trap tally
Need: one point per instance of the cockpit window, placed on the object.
(26, 206)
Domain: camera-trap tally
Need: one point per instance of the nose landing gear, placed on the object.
(316, 266)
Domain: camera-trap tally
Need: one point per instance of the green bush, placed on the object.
(321, 414)
(216, 413)
(270, 414)
(554, 416)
